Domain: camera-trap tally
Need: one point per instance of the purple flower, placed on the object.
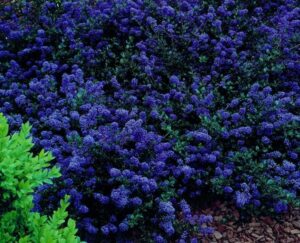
(174, 80)
(105, 230)
(136, 201)
(159, 239)
(185, 209)
(123, 226)
(228, 189)
(101, 198)
(167, 227)
(120, 197)
(168, 11)
(242, 198)
(280, 207)
(201, 137)
(88, 140)
(265, 140)
(21, 100)
(114, 172)
(83, 209)
(166, 208)
(218, 24)
(151, 21)
(288, 166)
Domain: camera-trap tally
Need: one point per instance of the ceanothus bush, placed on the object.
(153, 107)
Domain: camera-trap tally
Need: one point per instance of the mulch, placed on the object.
(229, 228)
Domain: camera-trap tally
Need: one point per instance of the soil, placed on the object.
(229, 228)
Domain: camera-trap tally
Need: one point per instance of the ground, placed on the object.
(259, 229)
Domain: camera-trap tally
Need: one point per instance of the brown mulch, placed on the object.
(230, 229)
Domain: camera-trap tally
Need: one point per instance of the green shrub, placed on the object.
(20, 174)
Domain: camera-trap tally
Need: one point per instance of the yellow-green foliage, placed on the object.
(20, 174)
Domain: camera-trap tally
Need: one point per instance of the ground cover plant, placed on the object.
(152, 108)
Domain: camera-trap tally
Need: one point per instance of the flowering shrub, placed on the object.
(149, 106)
(20, 174)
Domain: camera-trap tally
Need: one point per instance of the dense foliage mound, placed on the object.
(20, 174)
(152, 107)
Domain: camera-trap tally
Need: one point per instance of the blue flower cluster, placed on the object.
(152, 107)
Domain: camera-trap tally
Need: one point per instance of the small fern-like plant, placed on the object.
(20, 174)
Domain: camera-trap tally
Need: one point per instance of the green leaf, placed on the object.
(21, 173)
